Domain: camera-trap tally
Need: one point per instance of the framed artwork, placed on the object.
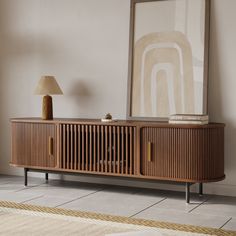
(168, 58)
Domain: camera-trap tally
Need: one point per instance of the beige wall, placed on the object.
(222, 83)
(84, 43)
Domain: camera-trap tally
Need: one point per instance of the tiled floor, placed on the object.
(209, 211)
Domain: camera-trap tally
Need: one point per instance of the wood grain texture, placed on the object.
(116, 123)
(98, 148)
(47, 110)
(185, 153)
(31, 142)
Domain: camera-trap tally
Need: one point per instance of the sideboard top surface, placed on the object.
(115, 122)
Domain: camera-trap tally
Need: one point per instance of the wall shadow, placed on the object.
(81, 92)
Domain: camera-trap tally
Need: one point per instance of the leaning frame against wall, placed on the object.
(168, 58)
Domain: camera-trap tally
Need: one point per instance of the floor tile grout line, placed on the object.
(32, 199)
(226, 222)
(148, 207)
(5, 183)
(80, 197)
(28, 187)
(199, 205)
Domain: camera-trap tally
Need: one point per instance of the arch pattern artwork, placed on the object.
(165, 59)
(168, 58)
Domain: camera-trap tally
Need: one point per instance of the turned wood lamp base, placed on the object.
(47, 112)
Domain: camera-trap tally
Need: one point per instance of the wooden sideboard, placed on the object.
(136, 149)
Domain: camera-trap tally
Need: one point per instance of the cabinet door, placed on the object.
(43, 145)
(168, 152)
(34, 144)
(98, 148)
(195, 154)
(154, 152)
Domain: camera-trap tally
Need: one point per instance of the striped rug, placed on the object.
(24, 219)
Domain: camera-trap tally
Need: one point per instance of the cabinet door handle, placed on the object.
(50, 145)
(149, 151)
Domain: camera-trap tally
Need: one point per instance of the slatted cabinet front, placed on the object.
(98, 148)
(182, 153)
(122, 148)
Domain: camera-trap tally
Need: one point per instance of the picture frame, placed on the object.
(168, 58)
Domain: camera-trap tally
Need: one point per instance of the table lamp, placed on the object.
(47, 86)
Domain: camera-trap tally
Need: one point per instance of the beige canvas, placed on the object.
(168, 58)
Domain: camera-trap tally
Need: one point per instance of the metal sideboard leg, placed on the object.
(46, 177)
(26, 176)
(187, 192)
(200, 188)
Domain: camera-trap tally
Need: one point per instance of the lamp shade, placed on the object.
(48, 85)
